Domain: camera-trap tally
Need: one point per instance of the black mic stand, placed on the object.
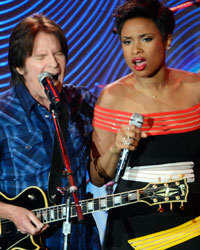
(72, 189)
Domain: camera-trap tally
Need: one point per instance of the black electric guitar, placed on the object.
(33, 198)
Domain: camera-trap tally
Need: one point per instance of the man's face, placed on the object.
(46, 56)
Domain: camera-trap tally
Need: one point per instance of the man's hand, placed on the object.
(25, 220)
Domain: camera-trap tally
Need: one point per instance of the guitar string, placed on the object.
(96, 201)
(40, 211)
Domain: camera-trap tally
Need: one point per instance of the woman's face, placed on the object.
(143, 46)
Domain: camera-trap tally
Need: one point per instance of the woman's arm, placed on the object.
(107, 146)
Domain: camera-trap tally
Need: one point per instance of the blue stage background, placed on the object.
(95, 55)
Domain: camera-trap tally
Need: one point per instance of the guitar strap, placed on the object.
(57, 165)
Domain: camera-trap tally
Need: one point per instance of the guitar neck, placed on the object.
(59, 212)
(152, 194)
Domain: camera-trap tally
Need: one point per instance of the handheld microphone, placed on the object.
(137, 120)
(46, 79)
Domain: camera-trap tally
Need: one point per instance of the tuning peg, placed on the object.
(160, 209)
(171, 206)
(181, 175)
(182, 207)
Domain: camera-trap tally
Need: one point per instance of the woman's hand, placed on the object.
(127, 137)
(103, 165)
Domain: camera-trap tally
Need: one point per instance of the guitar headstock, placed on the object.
(164, 192)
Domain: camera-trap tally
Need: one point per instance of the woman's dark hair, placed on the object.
(22, 41)
(162, 16)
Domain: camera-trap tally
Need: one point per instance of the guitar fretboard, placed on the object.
(152, 194)
(57, 213)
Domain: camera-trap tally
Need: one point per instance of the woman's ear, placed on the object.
(168, 42)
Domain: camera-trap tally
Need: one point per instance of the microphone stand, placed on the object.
(51, 91)
(72, 189)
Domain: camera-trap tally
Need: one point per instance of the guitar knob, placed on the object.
(31, 197)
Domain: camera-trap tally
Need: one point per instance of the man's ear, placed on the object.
(20, 70)
(168, 42)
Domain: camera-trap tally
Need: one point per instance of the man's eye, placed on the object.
(60, 53)
(40, 57)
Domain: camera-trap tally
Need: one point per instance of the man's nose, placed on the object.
(52, 61)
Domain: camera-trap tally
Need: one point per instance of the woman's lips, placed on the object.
(139, 64)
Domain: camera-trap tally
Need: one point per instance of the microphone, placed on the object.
(137, 120)
(46, 79)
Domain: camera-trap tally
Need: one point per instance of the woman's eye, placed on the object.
(147, 39)
(126, 42)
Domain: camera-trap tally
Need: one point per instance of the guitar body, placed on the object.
(10, 238)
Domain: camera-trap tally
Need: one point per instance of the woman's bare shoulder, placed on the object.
(186, 76)
(189, 84)
(111, 91)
